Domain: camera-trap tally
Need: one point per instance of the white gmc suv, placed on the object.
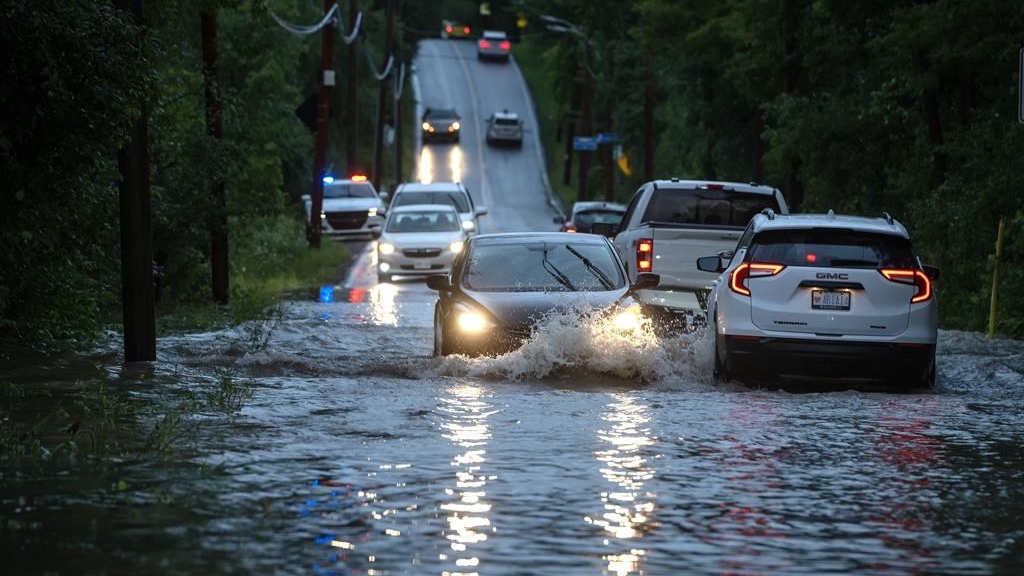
(827, 297)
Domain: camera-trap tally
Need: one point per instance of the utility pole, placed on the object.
(396, 115)
(323, 109)
(570, 131)
(585, 121)
(352, 103)
(137, 292)
(650, 101)
(215, 129)
(382, 93)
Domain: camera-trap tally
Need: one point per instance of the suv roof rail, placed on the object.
(769, 213)
(887, 217)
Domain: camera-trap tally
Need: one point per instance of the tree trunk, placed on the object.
(214, 128)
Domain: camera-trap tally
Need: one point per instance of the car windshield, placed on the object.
(506, 121)
(538, 266)
(349, 190)
(424, 221)
(590, 217)
(832, 248)
(456, 199)
(441, 114)
(713, 207)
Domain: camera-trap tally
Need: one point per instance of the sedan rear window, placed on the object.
(506, 121)
(832, 248)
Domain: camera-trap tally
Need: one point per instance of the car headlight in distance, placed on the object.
(456, 247)
(627, 319)
(427, 127)
(385, 248)
(456, 125)
(468, 225)
(371, 212)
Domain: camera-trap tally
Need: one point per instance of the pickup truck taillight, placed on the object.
(739, 276)
(644, 254)
(919, 279)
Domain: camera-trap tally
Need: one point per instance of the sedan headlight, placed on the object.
(456, 125)
(468, 225)
(471, 321)
(456, 247)
(385, 248)
(427, 127)
(628, 319)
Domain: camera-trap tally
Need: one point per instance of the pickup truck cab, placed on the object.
(671, 223)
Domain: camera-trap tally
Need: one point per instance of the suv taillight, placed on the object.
(738, 278)
(917, 278)
(645, 254)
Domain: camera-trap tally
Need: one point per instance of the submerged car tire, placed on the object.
(443, 345)
(720, 370)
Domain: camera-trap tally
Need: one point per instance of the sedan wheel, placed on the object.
(443, 345)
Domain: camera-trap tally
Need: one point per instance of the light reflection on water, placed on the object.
(629, 509)
(469, 514)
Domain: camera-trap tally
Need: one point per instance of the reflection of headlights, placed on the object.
(627, 319)
(468, 225)
(455, 246)
(385, 248)
(456, 126)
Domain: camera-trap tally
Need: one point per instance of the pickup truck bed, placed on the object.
(671, 223)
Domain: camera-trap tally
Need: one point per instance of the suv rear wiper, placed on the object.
(601, 276)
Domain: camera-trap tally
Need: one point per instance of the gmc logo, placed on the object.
(832, 276)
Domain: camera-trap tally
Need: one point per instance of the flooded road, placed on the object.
(357, 452)
(328, 440)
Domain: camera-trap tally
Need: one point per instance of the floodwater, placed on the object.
(354, 451)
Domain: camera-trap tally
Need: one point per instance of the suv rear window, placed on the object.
(832, 248)
(712, 207)
(457, 199)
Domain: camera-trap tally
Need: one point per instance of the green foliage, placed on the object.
(70, 74)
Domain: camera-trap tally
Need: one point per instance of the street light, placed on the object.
(559, 25)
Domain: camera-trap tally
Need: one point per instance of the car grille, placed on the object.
(421, 252)
(432, 267)
(346, 220)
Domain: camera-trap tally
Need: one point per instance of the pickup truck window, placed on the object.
(709, 207)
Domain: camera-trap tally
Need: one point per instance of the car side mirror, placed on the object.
(384, 195)
(932, 273)
(646, 281)
(439, 282)
(711, 264)
(603, 228)
(481, 211)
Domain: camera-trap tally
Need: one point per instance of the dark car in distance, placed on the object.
(502, 285)
(440, 124)
(584, 215)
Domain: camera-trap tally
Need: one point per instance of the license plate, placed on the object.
(830, 300)
(421, 266)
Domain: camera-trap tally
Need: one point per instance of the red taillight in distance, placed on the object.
(505, 45)
(645, 255)
(483, 44)
(917, 278)
(747, 270)
(465, 29)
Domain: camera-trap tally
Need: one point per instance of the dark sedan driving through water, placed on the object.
(502, 285)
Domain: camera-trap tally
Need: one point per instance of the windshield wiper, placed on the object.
(556, 273)
(601, 276)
